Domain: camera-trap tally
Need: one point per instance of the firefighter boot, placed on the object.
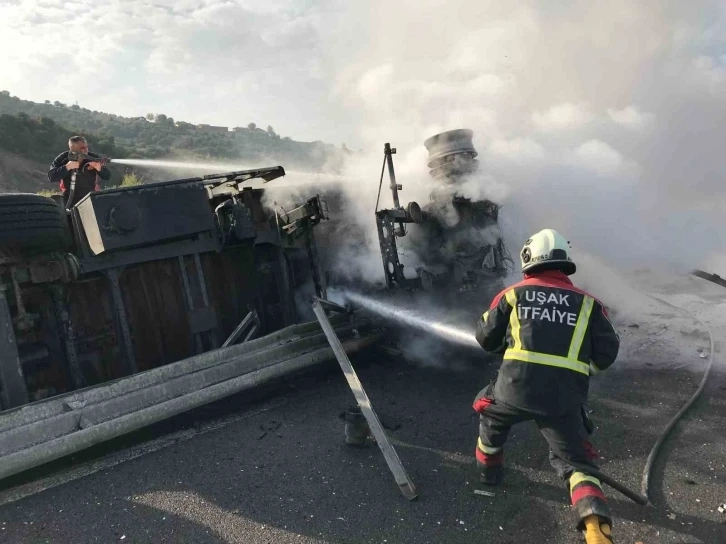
(597, 530)
(491, 475)
(356, 427)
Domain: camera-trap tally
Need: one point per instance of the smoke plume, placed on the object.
(604, 121)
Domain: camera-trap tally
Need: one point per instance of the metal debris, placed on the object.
(485, 493)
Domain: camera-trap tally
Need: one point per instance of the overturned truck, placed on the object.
(142, 302)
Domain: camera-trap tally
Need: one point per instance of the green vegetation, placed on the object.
(130, 179)
(40, 131)
(49, 192)
(42, 139)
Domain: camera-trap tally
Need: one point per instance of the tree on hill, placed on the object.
(42, 138)
(138, 138)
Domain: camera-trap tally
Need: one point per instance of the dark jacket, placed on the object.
(86, 179)
(555, 339)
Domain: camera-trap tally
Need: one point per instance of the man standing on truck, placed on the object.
(86, 172)
(553, 337)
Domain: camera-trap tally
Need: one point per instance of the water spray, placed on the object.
(415, 320)
(214, 167)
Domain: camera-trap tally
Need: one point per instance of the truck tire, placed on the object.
(31, 225)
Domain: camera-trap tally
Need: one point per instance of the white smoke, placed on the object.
(605, 121)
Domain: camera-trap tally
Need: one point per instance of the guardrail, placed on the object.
(714, 278)
(37, 433)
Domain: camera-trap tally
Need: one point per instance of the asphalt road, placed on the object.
(276, 469)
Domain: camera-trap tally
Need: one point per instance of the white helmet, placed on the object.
(547, 250)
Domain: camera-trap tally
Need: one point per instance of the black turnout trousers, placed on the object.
(566, 434)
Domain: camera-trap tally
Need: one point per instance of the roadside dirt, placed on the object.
(18, 174)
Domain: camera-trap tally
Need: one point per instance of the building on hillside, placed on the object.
(211, 129)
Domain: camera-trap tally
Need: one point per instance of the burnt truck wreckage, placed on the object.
(140, 303)
(456, 240)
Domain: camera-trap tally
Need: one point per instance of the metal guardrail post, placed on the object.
(251, 317)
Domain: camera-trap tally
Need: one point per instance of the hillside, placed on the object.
(20, 174)
(37, 132)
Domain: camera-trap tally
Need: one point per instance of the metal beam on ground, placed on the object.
(389, 452)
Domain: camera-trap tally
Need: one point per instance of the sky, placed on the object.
(606, 120)
(204, 61)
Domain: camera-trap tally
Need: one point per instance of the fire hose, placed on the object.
(643, 498)
(645, 485)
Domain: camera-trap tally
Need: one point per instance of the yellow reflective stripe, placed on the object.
(514, 318)
(579, 477)
(485, 316)
(579, 335)
(489, 450)
(547, 359)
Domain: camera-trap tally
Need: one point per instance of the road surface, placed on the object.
(275, 468)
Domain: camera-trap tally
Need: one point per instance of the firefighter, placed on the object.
(553, 337)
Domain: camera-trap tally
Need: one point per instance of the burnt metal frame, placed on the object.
(68, 336)
(211, 334)
(390, 224)
(321, 287)
(205, 297)
(304, 218)
(122, 325)
(285, 287)
(13, 390)
(190, 299)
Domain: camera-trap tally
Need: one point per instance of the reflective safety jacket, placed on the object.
(553, 337)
